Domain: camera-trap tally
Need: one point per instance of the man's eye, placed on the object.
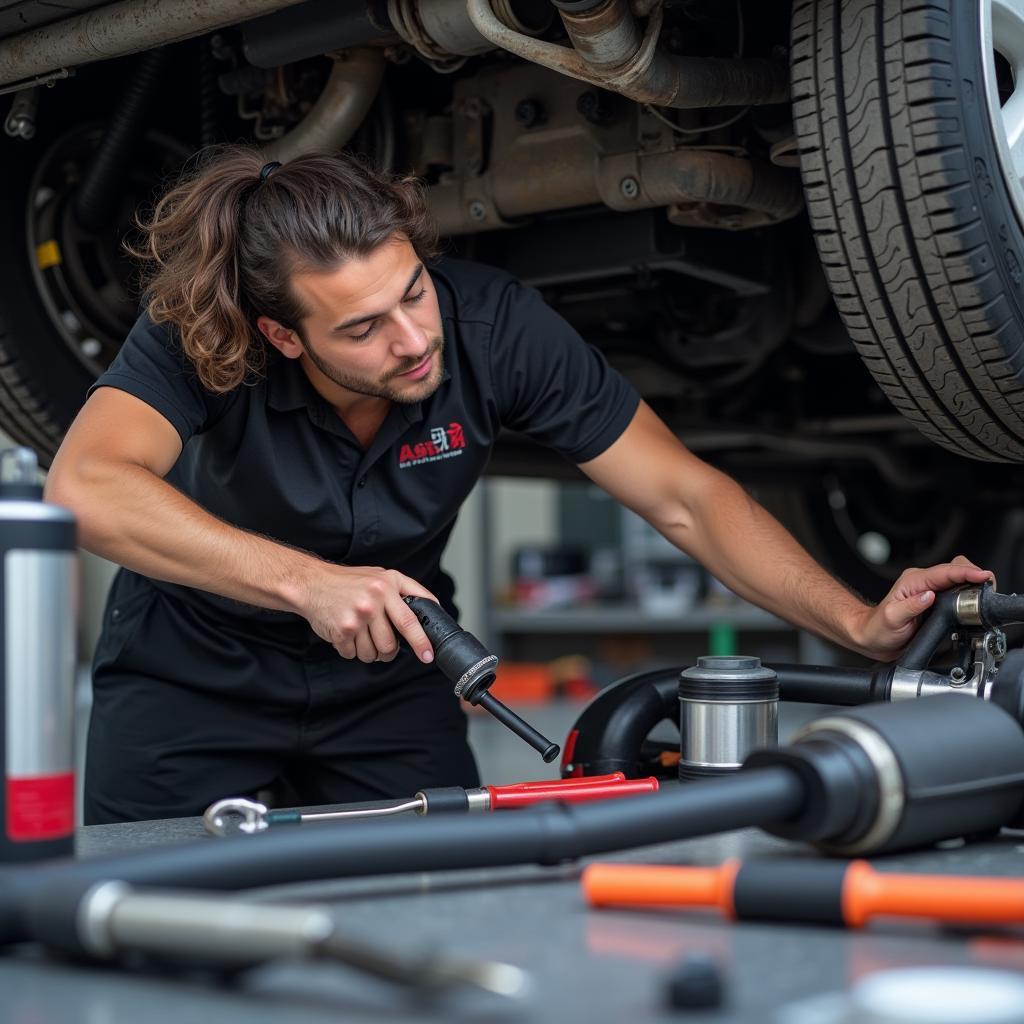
(413, 299)
(369, 330)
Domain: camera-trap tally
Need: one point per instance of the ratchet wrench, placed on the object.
(253, 817)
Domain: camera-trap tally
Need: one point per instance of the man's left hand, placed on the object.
(888, 627)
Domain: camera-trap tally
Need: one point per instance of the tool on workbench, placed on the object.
(471, 667)
(874, 779)
(109, 921)
(847, 893)
(612, 733)
(37, 670)
(728, 706)
(238, 814)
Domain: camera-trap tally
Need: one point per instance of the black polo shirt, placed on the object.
(274, 458)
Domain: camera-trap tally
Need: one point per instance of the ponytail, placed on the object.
(221, 246)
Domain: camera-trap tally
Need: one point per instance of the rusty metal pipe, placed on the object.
(703, 176)
(606, 35)
(648, 75)
(609, 40)
(122, 28)
(339, 109)
(527, 186)
(441, 29)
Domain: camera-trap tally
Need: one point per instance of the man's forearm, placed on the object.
(131, 516)
(746, 548)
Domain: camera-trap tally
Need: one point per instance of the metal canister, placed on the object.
(38, 590)
(728, 706)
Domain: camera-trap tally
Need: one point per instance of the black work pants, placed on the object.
(185, 713)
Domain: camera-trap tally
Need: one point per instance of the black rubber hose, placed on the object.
(1001, 609)
(609, 733)
(934, 632)
(826, 684)
(102, 184)
(547, 834)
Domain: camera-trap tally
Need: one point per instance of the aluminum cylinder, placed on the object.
(38, 607)
(728, 707)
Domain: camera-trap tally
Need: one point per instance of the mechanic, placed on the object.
(277, 456)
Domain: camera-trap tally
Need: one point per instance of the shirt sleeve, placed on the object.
(152, 366)
(550, 384)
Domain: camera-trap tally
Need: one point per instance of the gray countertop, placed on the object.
(585, 965)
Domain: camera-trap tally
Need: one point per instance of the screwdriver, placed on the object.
(847, 893)
(257, 818)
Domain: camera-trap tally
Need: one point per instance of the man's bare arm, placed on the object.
(109, 471)
(709, 516)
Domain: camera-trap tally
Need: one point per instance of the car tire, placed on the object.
(917, 223)
(69, 294)
(42, 384)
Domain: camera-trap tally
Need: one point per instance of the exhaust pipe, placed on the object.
(120, 29)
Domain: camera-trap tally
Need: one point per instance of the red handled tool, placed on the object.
(848, 893)
(255, 817)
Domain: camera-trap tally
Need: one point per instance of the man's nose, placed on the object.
(409, 339)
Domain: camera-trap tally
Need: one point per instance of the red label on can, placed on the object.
(40, 807)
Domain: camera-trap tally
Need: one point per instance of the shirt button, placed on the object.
(361, 482)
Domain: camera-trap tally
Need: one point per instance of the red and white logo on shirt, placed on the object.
(443, 443)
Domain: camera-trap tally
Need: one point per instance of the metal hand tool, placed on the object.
(251, 817)
(876, 779)
(830, 892)
(105, 921)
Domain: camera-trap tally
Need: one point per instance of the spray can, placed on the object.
(38, 599)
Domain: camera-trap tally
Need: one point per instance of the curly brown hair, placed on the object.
(221, 246)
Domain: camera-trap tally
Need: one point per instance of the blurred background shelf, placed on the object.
(630, 618)
(735, 628)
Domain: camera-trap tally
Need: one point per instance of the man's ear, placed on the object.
(286, 341)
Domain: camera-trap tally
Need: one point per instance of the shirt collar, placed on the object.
(288, 387)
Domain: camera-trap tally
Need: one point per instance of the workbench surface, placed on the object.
(586, 965)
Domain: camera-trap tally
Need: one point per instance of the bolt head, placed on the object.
(630, 188)
(530, 112)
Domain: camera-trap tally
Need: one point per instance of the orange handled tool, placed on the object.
(830, 892)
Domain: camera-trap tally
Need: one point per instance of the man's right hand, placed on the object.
(359, 608)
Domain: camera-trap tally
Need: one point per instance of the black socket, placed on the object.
(457, 653)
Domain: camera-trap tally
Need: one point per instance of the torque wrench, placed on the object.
(830, 892)
(250, 816)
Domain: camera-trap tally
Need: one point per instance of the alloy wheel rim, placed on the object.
(1002, 32)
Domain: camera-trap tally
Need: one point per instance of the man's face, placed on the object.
(374, 326)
